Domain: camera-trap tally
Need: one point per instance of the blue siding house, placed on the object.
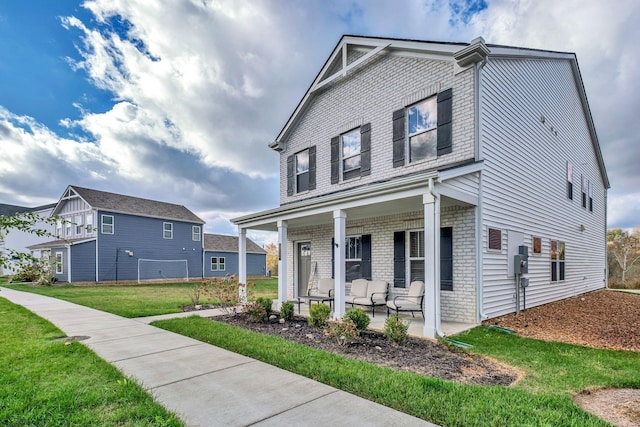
(108, 237)
(221, 256)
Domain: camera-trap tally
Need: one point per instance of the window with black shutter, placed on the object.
(351, 154)
(301, 171)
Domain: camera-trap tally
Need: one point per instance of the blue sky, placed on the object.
(178, 102)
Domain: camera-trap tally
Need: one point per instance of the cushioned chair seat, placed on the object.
(411, 302)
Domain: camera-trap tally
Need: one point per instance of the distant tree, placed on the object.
(272, 258)
(625, 248)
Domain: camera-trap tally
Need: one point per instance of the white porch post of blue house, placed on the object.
(282, 262)
(339, 234)
(242, 263)
(431, 266)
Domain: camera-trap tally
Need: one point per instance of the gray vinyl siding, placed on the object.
(371, 94)
(524, 180)
(256, 264)
(83, 262)
(144, 236)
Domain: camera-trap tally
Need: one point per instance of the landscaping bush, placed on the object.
(225, 291)
(396, 329)
(267, 303)
(318, 314)
(194, 293)
(344, 330)
(286, 312)
(359, 318)
(256, 312)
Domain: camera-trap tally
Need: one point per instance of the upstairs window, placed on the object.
(79, 225)
(67, 229)
(167, 230)
(195, 233)
(569, 181)
(422, 122)
(590, 197)
(107, 224)
(89, 226)
(584, 191)
(59, 228)
(350, 143)
(557, 261)
(301, 171)
(423, 130)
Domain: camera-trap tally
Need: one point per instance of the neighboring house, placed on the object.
(105, 237)
(221, 256)
(19, 241)
(411, 160)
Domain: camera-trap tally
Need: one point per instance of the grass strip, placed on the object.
(136, 300)
(53, 383)
(438, 401)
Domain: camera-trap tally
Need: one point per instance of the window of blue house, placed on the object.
(195, 233)
(79, 225)
(58, 262)
(167, 230)
(217, 263)
(107, 224)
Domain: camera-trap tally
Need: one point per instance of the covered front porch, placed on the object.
(395, 228)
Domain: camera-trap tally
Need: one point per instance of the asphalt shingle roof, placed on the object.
(6, 209)
(223, 243)
(135, 205)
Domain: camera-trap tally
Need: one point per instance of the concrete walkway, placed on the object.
(206, 385)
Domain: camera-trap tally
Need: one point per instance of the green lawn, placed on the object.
(136, 300)
(45, 382)
(542, 398)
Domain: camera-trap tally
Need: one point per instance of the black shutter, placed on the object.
(365, 149)
(312, 168)
(333, 258)
(365, 263)
(398, 138)
(444, 122)
(446, 259)
(335, 159)
(290, 175)
(399, 280)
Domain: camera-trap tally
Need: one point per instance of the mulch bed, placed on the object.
(416, 355)
(601, 319)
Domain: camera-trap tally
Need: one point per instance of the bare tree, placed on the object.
(272, 258)
(625, 248)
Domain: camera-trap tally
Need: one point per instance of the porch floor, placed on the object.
(416, 324)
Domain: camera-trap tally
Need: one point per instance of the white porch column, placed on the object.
(431, 265)
(282, 262)
(339, 234)
(242, 263)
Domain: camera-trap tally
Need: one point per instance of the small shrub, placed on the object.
(267, 303)
(255, 311)
(359, 318)
(344, 331)
(286, 312)
(225, 291)
(396, 329)
(194, 293)
(318, 314)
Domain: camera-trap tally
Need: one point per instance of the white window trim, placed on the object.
(79, 224)
(218, 264)
(195, 233)
(59, 264)
(346, 239)
(165, 230)
(558, 261)
(408, 256)
(112, 225)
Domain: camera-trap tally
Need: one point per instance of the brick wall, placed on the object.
(370, 94)
(457, 305)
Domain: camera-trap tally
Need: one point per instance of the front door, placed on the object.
(304, 266)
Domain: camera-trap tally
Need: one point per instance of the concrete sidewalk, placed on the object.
(206, 385)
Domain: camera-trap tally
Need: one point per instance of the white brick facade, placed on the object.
(458, 305)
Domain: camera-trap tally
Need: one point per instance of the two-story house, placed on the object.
(105, 236)
(411, 160)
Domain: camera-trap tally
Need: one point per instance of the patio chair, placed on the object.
(325, 289)
(369, 293)
(412, 302)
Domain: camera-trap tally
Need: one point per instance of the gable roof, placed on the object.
(6, 209)
(224, 243)
(120, 203)
(462, 55)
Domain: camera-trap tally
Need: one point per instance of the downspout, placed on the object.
(606, 254)
(478, 145)
(436, 243)
(68, 263)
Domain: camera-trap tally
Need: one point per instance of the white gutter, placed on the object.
(436, 238)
